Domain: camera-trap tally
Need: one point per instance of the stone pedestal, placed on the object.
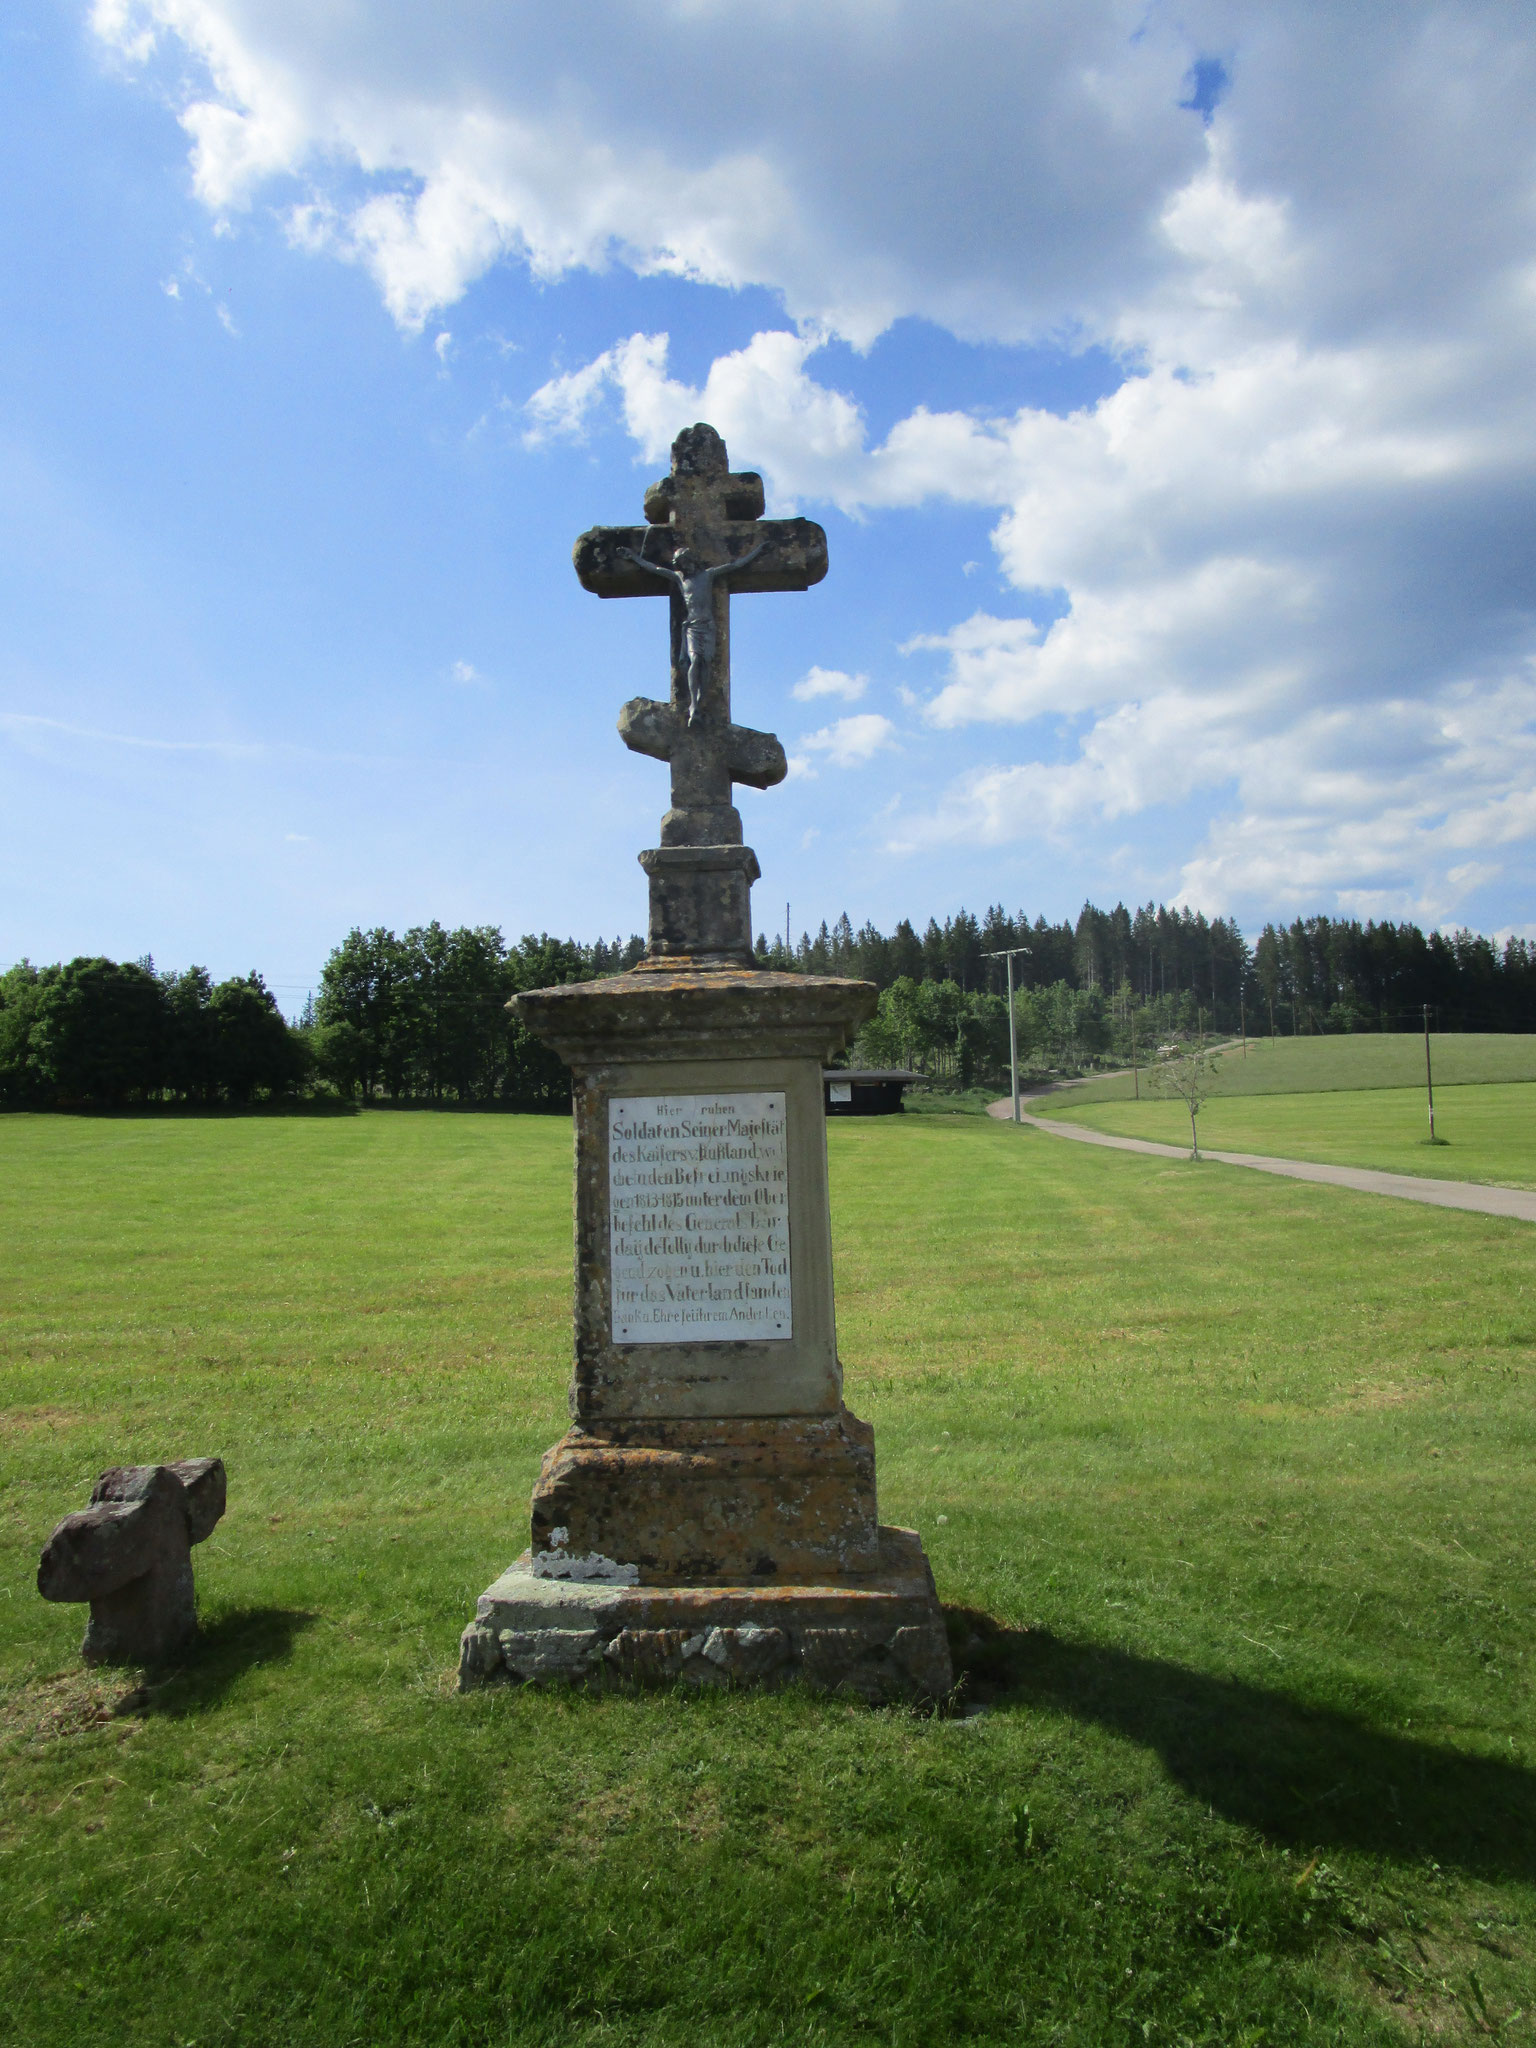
(700, 903)
(711, 1513)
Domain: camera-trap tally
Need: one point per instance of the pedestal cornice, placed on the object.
(662, 1012)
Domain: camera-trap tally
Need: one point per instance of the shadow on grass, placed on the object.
(1302, 1775)
(223, 1652)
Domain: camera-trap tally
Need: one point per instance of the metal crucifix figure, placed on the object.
(696, 584)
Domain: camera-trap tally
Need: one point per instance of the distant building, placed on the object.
(865, 1091)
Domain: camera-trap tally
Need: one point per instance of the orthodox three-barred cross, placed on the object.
(705, 537)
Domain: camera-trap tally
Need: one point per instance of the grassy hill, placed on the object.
(1284, 1066)
(1226, 1485)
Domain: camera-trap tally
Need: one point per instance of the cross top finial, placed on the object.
(701, 493)
(699, 451)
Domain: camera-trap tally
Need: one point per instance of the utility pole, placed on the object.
(1135, 1070)
(1429, 1078)
(786, 932)
(1010, 953)
(1242, 1019)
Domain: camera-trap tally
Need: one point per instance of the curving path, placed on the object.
(1408, 1187)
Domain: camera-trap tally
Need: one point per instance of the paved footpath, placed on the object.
(1409, 1187)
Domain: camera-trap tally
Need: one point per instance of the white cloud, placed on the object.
(983, 178)
(1371, 807)
(1280, 570)
(1264, 558)
(830, 682)
(807, 439)
(850, 742)
(465, 672)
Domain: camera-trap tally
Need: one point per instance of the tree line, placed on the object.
(1335, 974)
(423, 1018)
(1188, 972)
(105, 1032)
(1156, 951)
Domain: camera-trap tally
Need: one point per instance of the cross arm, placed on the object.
(794, 556)
(756, 758)
(739, 496)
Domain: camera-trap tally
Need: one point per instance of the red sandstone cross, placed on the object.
(705, 538)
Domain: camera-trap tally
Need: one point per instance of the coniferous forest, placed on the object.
(422, 1019)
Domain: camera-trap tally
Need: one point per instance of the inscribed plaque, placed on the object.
(698, 1218)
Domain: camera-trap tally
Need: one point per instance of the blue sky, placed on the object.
(1163, 380)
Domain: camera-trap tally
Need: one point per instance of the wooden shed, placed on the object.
(865, 1091)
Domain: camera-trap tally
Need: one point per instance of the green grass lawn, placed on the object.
(1283, 1066)
(1483, 1133)
(1225, 1480)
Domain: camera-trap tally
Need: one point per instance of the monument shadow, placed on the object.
(222, 1651)
(1309, 1777)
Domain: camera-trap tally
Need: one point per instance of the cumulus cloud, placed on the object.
(829, 682)
(808, 440)
(850, 742)
(1280, 568)
(984, 179)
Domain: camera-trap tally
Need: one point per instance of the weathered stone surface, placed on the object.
(752, 1653)
(647, 1655)
(778, 1498)
(129, 1555)
(698, 816)
(700, 903)
(531, 1654)
(879, 1634)
(668, 1012)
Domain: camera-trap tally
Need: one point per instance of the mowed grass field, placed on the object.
(1225, 1480)
(1483, 1133)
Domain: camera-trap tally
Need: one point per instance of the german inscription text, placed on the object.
(698, 1218)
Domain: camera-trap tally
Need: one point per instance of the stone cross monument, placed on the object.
(710, 1514)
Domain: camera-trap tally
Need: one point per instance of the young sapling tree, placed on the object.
(1190, 1077)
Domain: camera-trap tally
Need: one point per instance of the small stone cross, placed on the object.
(704, 538)
(130, 1554)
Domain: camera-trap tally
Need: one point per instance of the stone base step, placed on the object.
(878, 1634)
